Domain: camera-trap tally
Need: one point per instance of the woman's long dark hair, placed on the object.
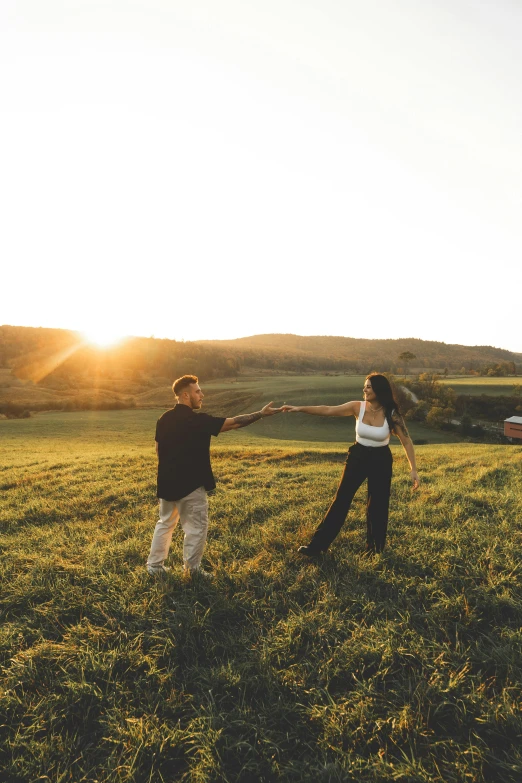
(385, 396)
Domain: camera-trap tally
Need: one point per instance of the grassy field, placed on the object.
(239, 395)
(407, 667)
(477, 385)
(229, 398)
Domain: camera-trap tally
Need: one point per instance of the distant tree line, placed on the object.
(287, 352)
(498, 370)
(11, 410)
(62, 361)
(439, 407)
(487, 407)
(436, 405)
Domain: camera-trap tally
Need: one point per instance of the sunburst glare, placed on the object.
(102, 337)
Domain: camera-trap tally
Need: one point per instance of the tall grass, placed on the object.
(406, 667)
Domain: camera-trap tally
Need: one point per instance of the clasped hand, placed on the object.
(267, 410)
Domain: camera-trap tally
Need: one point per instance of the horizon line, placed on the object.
(264, 334)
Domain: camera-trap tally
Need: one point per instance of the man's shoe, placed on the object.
(198, 573)
(157, 570)
(310, 551)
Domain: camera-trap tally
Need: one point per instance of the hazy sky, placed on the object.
(220, 168)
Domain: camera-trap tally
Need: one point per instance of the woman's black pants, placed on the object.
(364, 462)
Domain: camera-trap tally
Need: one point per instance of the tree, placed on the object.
(449, 413)
(406, 357)
(419, 412)
(435, 417)
(187, 366)
(428, 386)
(466, 425)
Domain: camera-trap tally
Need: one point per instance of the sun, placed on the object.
(102, 337)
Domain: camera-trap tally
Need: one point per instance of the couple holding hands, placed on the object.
(185, 472)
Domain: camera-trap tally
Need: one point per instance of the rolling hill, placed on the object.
(382, 352)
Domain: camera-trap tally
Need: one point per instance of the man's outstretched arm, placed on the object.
(245, 419)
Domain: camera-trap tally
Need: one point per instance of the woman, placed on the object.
(369, 458)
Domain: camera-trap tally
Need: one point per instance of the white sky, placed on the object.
(219, 168)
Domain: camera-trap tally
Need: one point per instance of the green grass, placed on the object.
(108, 427)
(407, 667)
(477, 385)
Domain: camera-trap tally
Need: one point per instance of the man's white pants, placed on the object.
(192, 513)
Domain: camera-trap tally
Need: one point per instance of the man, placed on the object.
(185, 473)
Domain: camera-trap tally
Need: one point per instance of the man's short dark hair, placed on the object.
(183, 382)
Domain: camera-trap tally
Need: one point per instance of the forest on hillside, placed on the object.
(294, 353)
(61, 357)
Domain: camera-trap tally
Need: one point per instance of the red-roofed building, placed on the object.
(513, 427)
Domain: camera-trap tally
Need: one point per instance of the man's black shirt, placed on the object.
(184, 451)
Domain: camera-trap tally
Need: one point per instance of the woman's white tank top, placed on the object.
(367, 435)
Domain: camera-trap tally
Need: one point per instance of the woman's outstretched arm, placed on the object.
(400, 429)
(346, 409)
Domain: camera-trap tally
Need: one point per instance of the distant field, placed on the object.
(221, 399)
(233, 396)
(407, 667)
(306, 390)
(476, 385)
